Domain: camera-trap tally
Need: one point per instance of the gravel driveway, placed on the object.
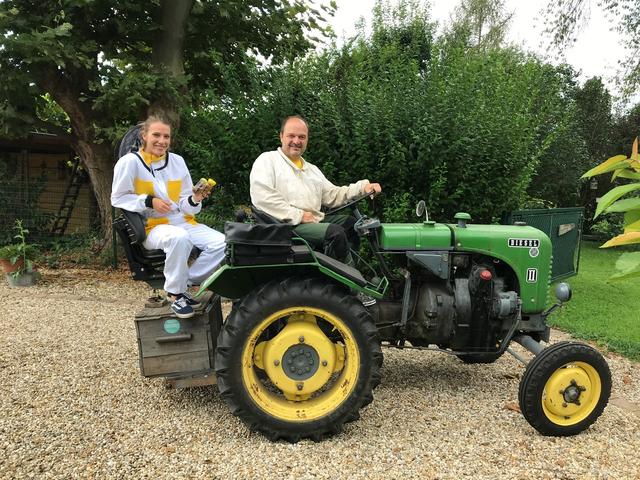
(73, 404)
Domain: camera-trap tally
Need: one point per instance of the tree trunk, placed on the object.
(168, 56)
(96, 158)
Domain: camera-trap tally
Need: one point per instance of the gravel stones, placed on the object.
(74, 405)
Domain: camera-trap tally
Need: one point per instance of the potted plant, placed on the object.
(17, 258)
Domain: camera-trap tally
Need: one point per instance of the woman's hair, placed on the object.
(151, 119)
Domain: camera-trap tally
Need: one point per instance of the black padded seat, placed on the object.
(263, 217)
(145, 265)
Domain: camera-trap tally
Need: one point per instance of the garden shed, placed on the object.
(42, 184)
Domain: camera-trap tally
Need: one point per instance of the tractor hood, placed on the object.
(501, 240)
(525, 249)
(498, 240)
(415, 236)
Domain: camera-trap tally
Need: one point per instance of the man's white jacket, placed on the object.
(281, 189)
(167, 178)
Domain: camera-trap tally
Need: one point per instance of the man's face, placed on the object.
(157, 139)
(294, 138)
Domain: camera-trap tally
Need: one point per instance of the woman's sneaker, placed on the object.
(192, 302)
(181, 308)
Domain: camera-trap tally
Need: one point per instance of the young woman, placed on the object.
(157, 184)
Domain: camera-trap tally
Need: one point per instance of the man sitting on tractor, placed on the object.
(285, 186)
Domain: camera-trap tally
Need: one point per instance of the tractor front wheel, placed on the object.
(565, 389)
(298, 358)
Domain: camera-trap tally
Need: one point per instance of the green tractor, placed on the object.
(300, 355)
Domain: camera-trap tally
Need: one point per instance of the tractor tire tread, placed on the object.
(538, 372)
(238, 325)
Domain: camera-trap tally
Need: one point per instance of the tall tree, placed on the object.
(107, 64)
(565, 18)
(595, 120)
(484, 23)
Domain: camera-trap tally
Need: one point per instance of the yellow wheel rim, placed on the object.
(324, 373)
(571, 393)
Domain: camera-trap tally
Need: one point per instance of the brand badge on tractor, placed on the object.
(532, 275)
(534, 251)
(524, 242)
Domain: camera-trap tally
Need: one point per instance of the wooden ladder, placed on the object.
(69, 199)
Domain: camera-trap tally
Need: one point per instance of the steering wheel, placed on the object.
(352, 202)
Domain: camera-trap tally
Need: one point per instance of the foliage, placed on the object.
(107, 64)
(621, 167)
(482, 24)
(75, 249)
(600, 310)
(20, 250)
(22, 200)
(564, 18)
(609, 227)
(423, 115)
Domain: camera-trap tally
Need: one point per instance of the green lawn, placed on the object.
(608, 313)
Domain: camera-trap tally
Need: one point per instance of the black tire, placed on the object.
(264, 315)
(552, 380)
(472, 358)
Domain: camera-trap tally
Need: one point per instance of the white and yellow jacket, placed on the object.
(285, 191)
(139, 176)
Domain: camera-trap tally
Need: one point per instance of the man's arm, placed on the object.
(266, 197)
(334, 196)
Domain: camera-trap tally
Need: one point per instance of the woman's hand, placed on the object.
(160, 205)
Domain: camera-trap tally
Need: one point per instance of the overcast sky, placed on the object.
(596, 52)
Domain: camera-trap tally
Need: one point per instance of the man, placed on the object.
(293, 190)
(157, 184)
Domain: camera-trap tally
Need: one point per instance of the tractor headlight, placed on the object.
(563, 292)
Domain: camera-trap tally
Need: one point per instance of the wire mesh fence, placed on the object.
(37, 188)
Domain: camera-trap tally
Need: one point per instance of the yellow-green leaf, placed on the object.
(606, 166)
(630, 217)
(634, 150)
(627, 266)
(629, 174)
(624, 239)
(632, 227)
(624, 205)
(613, 195)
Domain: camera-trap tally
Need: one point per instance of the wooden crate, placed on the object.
(174, 347)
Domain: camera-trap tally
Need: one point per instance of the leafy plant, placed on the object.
(609, 227)
(20, 250)
(622, 167)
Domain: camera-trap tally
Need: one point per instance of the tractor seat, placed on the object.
(261, 216)
(145, 265)
(301, 253)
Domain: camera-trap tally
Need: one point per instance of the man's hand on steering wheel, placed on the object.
(373, 188)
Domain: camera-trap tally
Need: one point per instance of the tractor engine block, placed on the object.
(472, 310)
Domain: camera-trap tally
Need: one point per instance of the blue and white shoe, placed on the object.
(192, 302)
(181, 308)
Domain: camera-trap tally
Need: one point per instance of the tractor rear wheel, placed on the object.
(565, 389)
(298, 358)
